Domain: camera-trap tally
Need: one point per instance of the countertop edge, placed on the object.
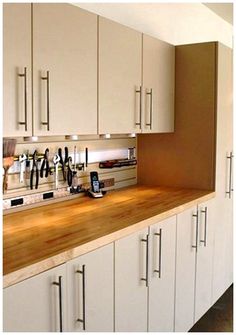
(56, 260)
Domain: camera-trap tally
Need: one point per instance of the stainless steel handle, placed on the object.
(48, 105)
(83, 295)
(230, 157)
(160, 251)
(231, 174)
(140, 107)
(59, 284)
(24, 75)
(147, 259)
(205, 227)
(196, 241)
(150, 111)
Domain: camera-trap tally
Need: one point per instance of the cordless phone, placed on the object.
(95, 186)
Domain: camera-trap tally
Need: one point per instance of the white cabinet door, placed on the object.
(185, 269)
(119, 78)
(65, 70)
(223, 242)
(204, 265)
(35, 305)
(17, 111)
(131, 299)
(162, 276)
(158, 85)
(223, 247)
(91, 292)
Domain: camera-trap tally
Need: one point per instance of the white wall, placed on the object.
(176, 23)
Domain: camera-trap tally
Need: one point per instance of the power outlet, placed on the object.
(108, 182)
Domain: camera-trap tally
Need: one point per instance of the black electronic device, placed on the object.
(95, 185)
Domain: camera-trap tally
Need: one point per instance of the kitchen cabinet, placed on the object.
(162, 276)
(223, 242)
(17, 111)
(90, 291)
(60, 42)
(186, 244)
(158, 86)
(120, 65)
(75, 296)
(37, 304)
(131, 298)
(65, 70)
(194, 264)
(204, 260)
(145, 281)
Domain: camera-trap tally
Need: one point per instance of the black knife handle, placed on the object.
(69, 177)
(37, 178)
(42, 168)
(47, 169)
(66, 155)
(31, 178)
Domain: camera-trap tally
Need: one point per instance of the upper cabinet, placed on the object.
(65, 70)
(136, 82)
(120, 77)
(60, 42)
(17, 111)
(158, 86)
(66, 73)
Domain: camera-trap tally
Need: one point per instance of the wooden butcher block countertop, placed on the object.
(38, 239)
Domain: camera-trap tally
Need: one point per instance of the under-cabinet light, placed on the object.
(72, 137)
(31, 139)
(105, 136)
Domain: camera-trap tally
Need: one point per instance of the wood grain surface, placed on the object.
(186, 158)
(38, 239)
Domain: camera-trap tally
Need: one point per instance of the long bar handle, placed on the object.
(160, 252)
(231, 181)
(24, 75)
(205, 227)
(83, 294)
(140, 107)
(59, 284)
(230, 157)
(150, 111)
(147, 259)
(48, 104)
(196, 241)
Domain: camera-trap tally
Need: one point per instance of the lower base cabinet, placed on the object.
(90, 291)
(162, 276)
(204, 259)
(194, 264)
(33, 305)
(185, 269)
(131, 296)
(76, 296)
(160, 279)
(145, 279)
(223, 247)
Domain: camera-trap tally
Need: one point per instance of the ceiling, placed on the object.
(174, 22)
(224, 10)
